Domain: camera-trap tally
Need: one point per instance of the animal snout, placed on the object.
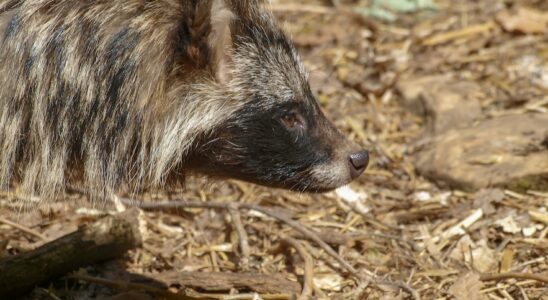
(358, 163)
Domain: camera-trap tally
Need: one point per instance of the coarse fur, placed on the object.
(134, 93)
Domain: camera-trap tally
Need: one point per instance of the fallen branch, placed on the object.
(105, 239)
(223, 282)
(219, 282)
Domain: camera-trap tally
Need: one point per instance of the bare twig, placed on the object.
(459, 33)
(242, 236)
(509, 275)
(23, 229)
(308, 285)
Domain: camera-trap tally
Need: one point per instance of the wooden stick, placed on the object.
(23, 228)
(242, 236)
(218, 282)
(222, 282)
(308, 285)
(105, 239)
(459, 33)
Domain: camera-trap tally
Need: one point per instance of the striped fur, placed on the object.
(124, 93)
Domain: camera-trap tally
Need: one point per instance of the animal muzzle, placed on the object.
(358, 161)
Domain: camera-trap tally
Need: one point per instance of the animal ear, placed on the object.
(220, 39)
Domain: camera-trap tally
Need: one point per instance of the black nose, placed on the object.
(358, 162)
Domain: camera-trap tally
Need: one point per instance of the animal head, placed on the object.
(279, 137)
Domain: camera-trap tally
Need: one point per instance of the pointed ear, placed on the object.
(220, 40)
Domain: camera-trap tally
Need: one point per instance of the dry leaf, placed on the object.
(529, 231)
(508, 225)
(330, 282)
(524, 20)
(422, 196)
(532, 68)
(467, 287)
(483, 258)
(353, 199)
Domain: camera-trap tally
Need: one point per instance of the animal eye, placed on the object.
(293, 121)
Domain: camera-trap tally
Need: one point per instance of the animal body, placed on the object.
(137, 93)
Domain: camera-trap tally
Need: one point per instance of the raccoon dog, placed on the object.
(137, 93)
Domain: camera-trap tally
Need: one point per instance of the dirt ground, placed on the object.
(397, 232)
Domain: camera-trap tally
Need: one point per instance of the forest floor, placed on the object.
(409, 228)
